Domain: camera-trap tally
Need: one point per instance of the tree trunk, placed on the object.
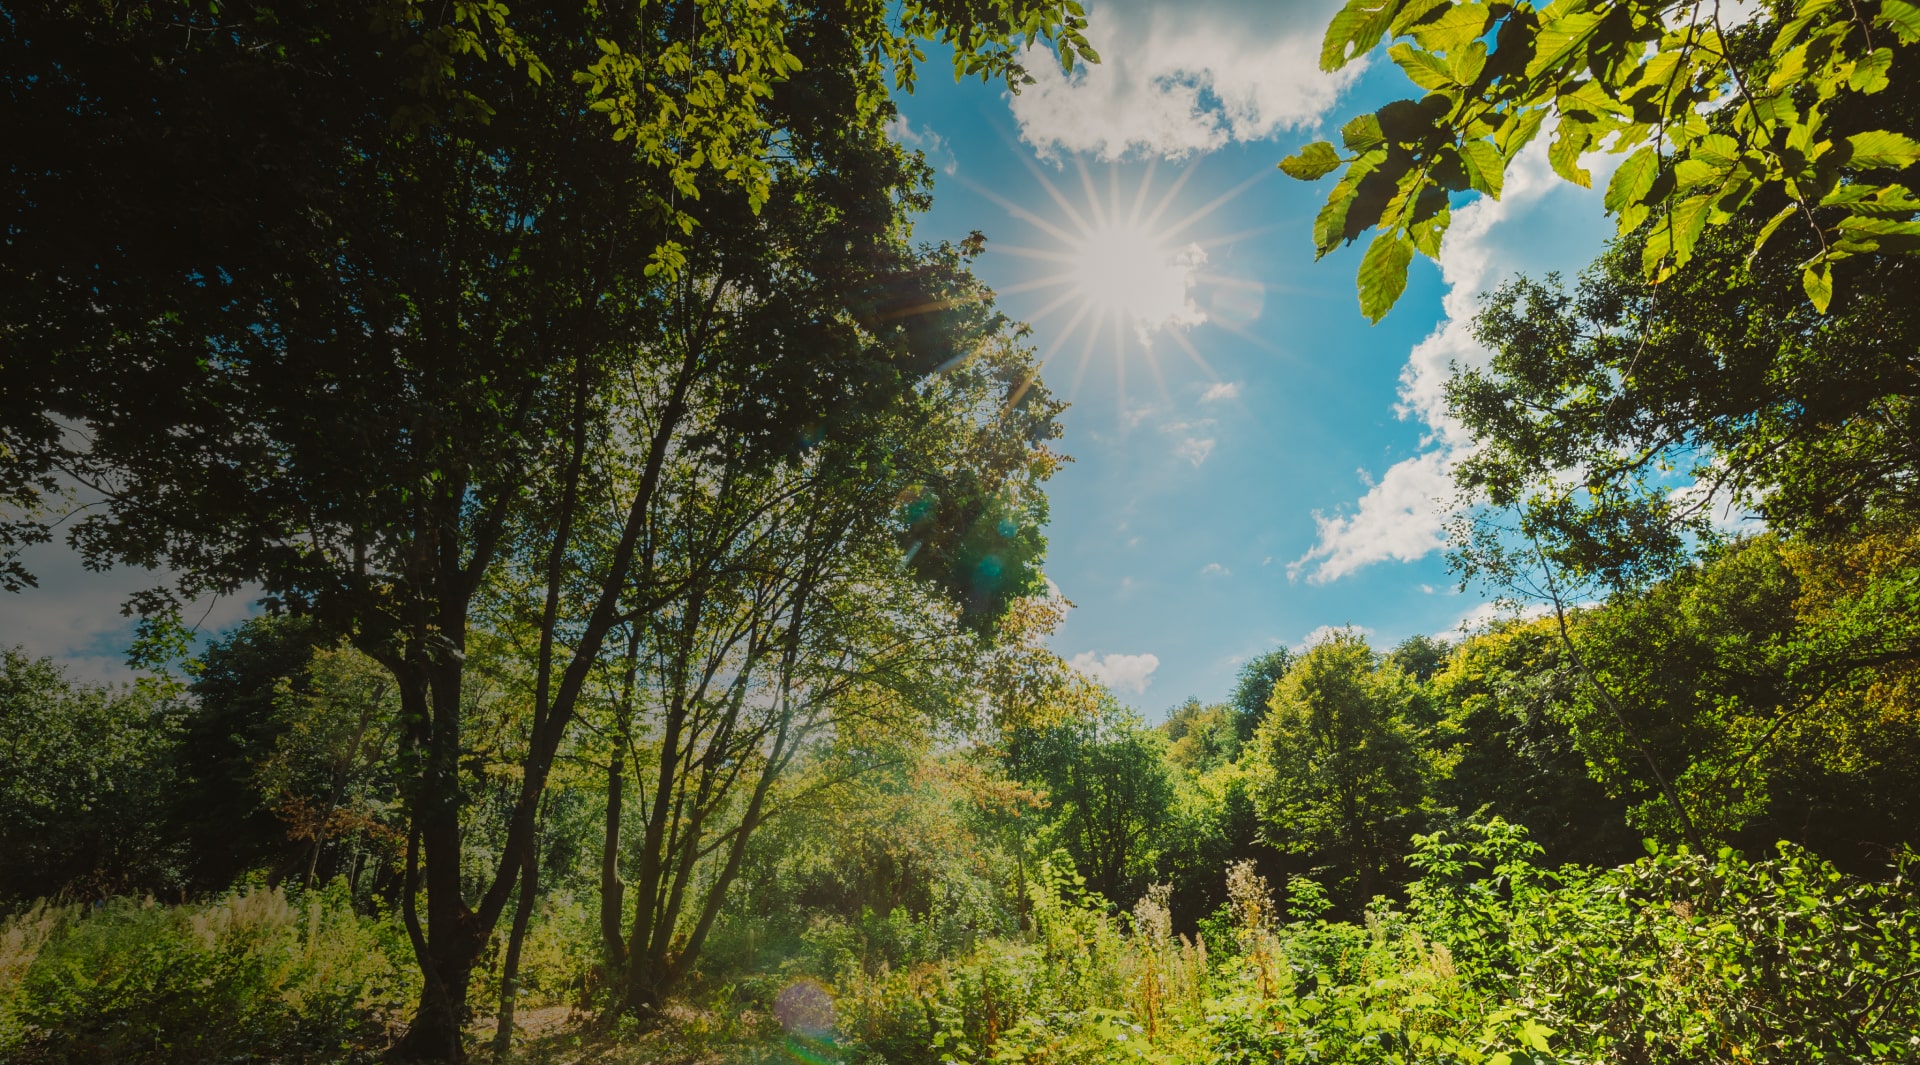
(613, 944)
(453, 937)
(510, 971)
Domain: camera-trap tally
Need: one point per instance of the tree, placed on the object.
(85, 776)
(1766, 661)
(1201, 737)
(1255, 687)
(352, 390)
(1506, 698)
(1760, 121)
(1338, 769)
(1110, 791)
(1420, 656)
(1722, 374)
(800, 628)
(230, 726)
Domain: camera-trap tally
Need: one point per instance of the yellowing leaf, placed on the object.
(1819, 285)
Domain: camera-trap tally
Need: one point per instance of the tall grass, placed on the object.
(1678, 959)
(254, 976)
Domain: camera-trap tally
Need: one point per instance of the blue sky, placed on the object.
(1293, 474)
(1285, 473)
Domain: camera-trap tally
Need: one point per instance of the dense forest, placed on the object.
(651, 660)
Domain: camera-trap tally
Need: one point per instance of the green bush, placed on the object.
(254, 976)
(1677, 959)
(1681, 958)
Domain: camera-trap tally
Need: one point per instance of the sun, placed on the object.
(1132, 273)
(1120, 274)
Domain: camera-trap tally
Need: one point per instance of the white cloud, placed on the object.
(1178, 79)
(1481, 615)
(1404, 516)
(1215, 569)
(74, 616)
(925, 140)
(1129, 673)
(1194, 449)
(1220, 390)
(1325, 632)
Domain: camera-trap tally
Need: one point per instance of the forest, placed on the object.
(651, 657)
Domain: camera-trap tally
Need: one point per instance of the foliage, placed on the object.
(1762, 120)
(1680, 955)
(1340, 773)
(1507, 698)
(1721, 375)
(1254, 686)
(1108, 781)
(86, 773)
(1755, 665)
(256, 975)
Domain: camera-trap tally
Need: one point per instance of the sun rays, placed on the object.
(1123, 271)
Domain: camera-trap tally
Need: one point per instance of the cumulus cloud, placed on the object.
(1121, 673)
(1325, 632)
(1178, 79)
(1404, 515)
(1215, 569)
(1220, 390)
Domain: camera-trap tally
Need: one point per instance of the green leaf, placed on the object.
(1485, 169)
(1422, 68)
(1569, 142)
(1819, 285)
(1312, 163)
(1520, 130)
(1903, 18)
(1632, 181)
(1362, 133)
(1774, 223)
(1331, 223)
(1883, 148)
(1717, 149)
(1688, 220)
(1561, 41)
(1454, 28)
(1354, 31)
(1870, 74)
(1383, 274)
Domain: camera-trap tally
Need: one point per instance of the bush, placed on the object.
(1683, 958)
(255, 976)
(1673, 960)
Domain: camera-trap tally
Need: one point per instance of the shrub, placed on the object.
(254, 976)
